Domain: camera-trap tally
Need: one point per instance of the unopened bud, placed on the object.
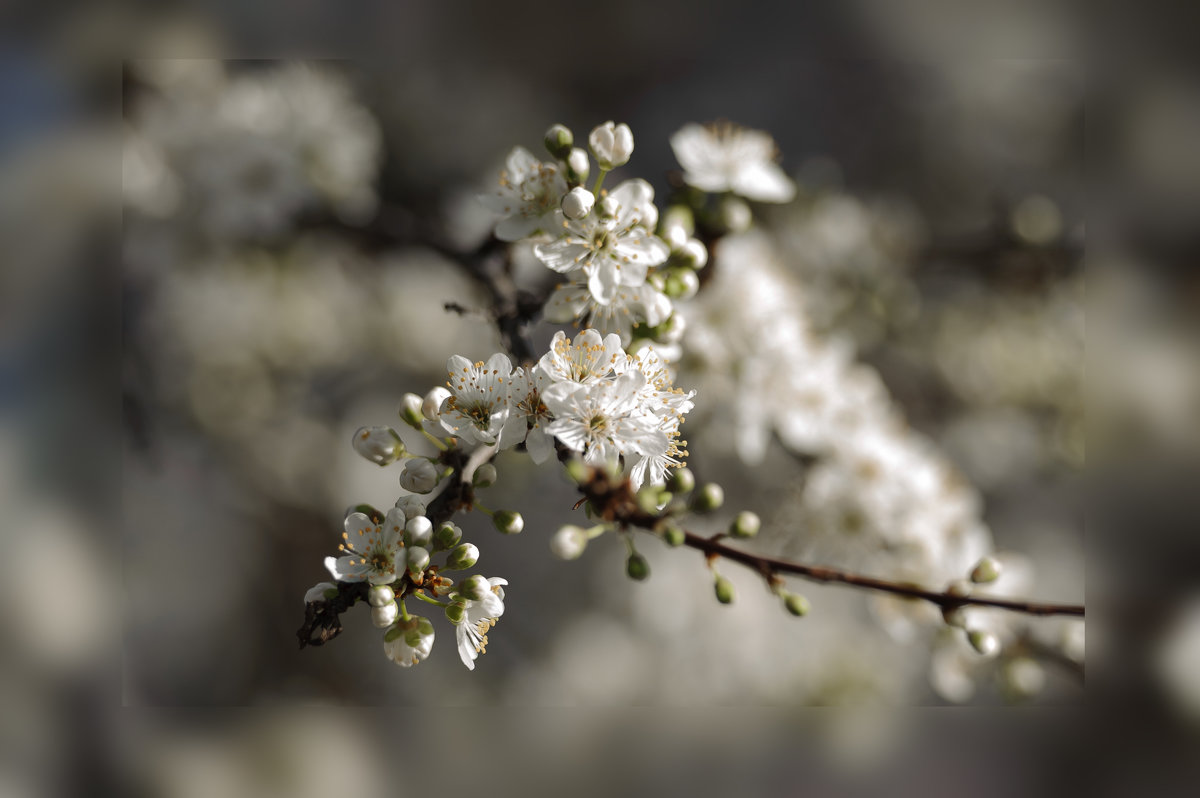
(509, 522)
(484, 476)
(462, 557)
(447, 535)
(578, 471)
(671, 330)
(569, 542)
(681, 284)
(474, 587)
(681, 480)
(724, 590)
(745, 525)
(380, 445)
(959, 587)
(693, 254)
(736, 215)
(559, 140)
(637, 567)
(577, 203)
(411, 506)
(710, 497)
(648, 499)
(796, 604)
(986, 570)
(419, 476)
(985, 643)
(578, 166)
(608, 207)
(673, 535)
(418, 559)
(1024, 677)
(455, 613)
(410, 410)
(677, 217)
(611, 144)
(955, 617)
(431, 405)
(418, 531)
(381, 595)
(384, 616)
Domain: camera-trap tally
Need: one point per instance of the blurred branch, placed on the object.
(614, 501)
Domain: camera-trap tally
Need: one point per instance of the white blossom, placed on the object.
(372, 552)
(528, 415)
(528, 197)
(317, 592)
(409, 641)
(603, 421)
(587, 359)
(631, 308)
(479, 617)
(726, 157)
(478, 406)
(612, 250)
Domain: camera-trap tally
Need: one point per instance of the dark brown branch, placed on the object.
(613, 500)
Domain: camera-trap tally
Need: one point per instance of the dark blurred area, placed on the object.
(179, 386)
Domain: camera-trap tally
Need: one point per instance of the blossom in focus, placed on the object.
(478, 405)
(478, 617)
(631, 307)
(372, 552)
(528, 415)
(612, 250)
(725, 157)
(409, 641)
(586, 360)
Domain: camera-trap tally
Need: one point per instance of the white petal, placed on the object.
(517, 226)
(636, 198)
(763, 181)
(520, 163)
(562, 255)
(603, 281)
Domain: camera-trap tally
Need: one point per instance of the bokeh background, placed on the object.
(941, 231)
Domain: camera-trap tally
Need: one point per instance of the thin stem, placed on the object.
(435, 441)
(599, 182)
(430, 599)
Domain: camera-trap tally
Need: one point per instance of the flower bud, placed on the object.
(986, 570)
(418, 559)
(569, 542)
(745, 525)
(410, 410)
(419, 476)
(724, 590)
(671, 330)
(321, 591)
(955, 617)
(681, 284)
(675, 236)
(710, 497)
(418, 531)
(431, 405)
(736, 216)
(380, 445)
(578, 166)
(509, 522)
(577, 203)
(462, 557)
(648, 499)
(959, 587)
(796, 604)
(455, 613)
(677, 217)
(411, 506)
(673, 535)
(611, 144)
(579, 471)
(474, 587)
(608, 207)
(1024, 677)
(484, 476)
(681, 480)
(637, 567)
(381, 595)
(385, 615)
(693, 254)
(985, 643)
(559, 140)
(447, 535)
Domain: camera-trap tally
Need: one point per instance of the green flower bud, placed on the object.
(463, 557)
(648, 498)
(710, 497)
(673, 535)
(418, 559)
(986, 570)
(955, 617)
(485, 476)
(681, 284)
(959, 587)
(578, 166)
(569, 542)
(474, 587)
(559, 141)
(418, 532)
(724, 590)
(578, 471)
(681, 480)
(509, 522)
(447, 536)
(693, 254)
(455, 613)
(985, 643)
(410, 410)
(637, 567)
(745, 525)
(796, 604)
(379, 595)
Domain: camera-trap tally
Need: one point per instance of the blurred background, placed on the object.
(249, 325)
